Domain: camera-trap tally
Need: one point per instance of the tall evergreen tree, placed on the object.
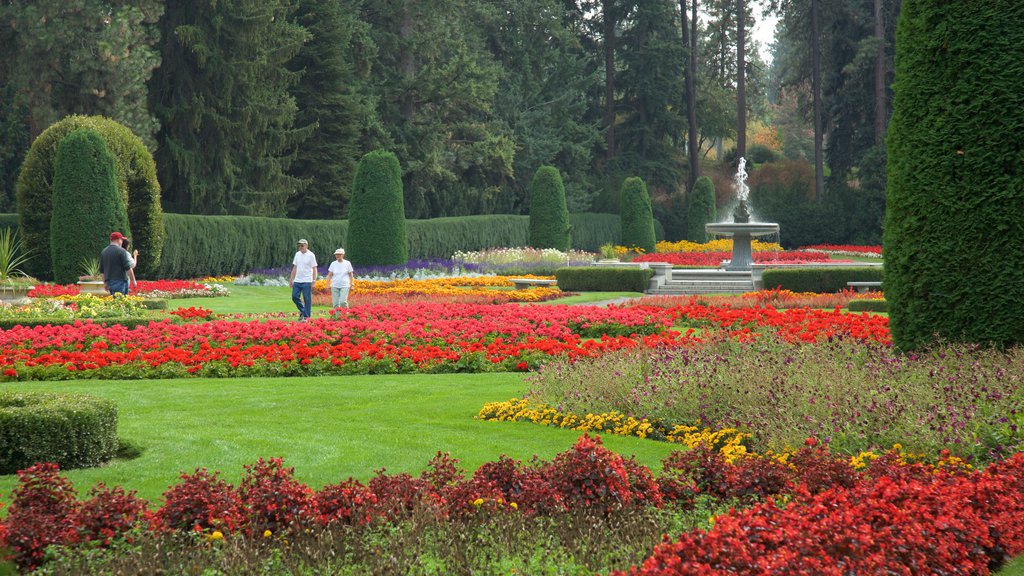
(700, 209)
(637, 220)
(90, 57)
(329, 95)
(542, 97)
(435, 82)
(228, 132)
(549, 218)
(953, 229)
(377, 230)
(650, 82)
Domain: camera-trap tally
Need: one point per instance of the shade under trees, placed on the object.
(954, 269)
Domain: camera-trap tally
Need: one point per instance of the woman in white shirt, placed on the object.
(341, 277)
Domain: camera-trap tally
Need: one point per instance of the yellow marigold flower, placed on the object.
(215, 535)
(478, 502)
(514, 505)
(267, 533)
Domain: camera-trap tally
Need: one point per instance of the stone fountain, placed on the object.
(741, 228)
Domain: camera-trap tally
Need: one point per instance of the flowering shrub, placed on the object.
(201, 502)
(497, 260)
(78, 306)
(272, 498)
(894, 517)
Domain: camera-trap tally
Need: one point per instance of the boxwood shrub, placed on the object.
(603, 279)
(820, 280)
(868, 305)
(73, 430)
(8, 323)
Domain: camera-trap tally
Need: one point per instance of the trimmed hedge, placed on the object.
(199, 246)
(136, 183)
(637, 219)
(821, 280)
(549, 217)
(603, 279)
(73, 430)
(8, 323)
(868, 306)
(86, 204)
(953, 233)
(700, 209)
(377, 232)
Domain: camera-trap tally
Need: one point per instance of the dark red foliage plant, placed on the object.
(348, 503)
(201, 502)
(272, 498)
(42, 512)
(109, 513)
(588, 475)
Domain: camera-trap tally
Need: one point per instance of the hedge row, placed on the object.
(197, 246)
(72, 430)
(820, 280)
(8, 323)
(868, 306)
(603, 279)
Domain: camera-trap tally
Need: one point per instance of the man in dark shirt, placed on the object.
(115, 262)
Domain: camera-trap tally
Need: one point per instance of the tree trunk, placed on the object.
(607, 12)
(881, 113)
(407, 62)
(690, 72)
(819, 153)
(741, 84)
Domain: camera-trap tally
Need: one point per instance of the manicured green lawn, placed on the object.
(328, 428)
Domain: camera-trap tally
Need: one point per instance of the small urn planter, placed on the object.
(15, 294)
(91, 285)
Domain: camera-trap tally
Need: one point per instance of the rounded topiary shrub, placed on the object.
(637, 218)
(954, 267)
(73, 430)
(136, 183)
(86, 204)
(549, 217)
(376, 214)
(700, 209)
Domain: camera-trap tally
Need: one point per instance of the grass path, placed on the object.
(328, 428)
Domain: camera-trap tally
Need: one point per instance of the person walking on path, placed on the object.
(115, 263)
(302, 278)
(341, 277)
(132, 282)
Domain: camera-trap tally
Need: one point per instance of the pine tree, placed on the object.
(700, 209)
(228, 131)
(328, 95)
(86, 204)
(636, 217)
(549, 218)
(376, 220)
(954, 267)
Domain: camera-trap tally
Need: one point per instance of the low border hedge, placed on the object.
(73, 430)
(603, 279)
(822, 280)
(868, 305)
(8, 323)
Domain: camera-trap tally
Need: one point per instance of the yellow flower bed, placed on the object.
(728, 441)
(453, 286)
(720, 245)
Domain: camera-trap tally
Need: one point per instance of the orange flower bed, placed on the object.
(480, 287)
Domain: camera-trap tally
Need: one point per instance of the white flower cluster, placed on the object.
(261, 280)
(522, 256)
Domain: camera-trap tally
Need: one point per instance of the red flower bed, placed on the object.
(409, 338)
(845, 249)
(144, 288)
(716, 258)
(892, 518)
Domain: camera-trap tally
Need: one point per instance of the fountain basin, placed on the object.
(741, 232)
(752, 229)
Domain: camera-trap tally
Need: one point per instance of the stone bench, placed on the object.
(524, 283)
(864, 286)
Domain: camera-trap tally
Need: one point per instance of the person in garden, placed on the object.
(115, 264)
(341, 278)
(132, 282)
(302, 278)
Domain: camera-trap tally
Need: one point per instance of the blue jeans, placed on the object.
(117, 287)
(304, 289)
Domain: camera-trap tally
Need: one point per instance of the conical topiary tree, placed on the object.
(136, 183)
(549, 217)
(376, 215)
(86, 204)
(636, 215)
(953, 236)
(700, 209)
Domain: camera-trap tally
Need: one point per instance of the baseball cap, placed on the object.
(116, 236)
